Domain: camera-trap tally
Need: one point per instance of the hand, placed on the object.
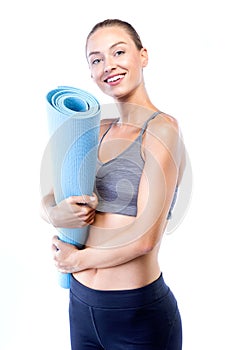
(73, 212)
(65, 256)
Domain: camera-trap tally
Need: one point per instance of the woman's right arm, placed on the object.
(72, 212)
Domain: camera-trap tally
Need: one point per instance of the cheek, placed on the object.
(95, 74)
(137, 64)
(97, 81)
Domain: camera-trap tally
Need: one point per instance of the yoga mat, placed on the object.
(73, 122)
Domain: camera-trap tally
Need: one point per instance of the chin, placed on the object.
(117, 95)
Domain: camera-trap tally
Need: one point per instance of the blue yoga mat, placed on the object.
(73, 121)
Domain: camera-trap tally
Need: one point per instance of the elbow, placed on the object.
(146, 246)
(147, 249)
(150, 241)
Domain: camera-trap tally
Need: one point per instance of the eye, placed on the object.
(95, 61)
(119, 52)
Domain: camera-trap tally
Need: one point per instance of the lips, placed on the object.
(114, 78)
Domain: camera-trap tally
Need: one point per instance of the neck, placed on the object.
(135, 110)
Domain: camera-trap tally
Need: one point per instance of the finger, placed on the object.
(93, 202)
(55, 244)
(58, 244)
(54, 249)
(87, 219)
(61, 245)
(91, 218)
(85, 212)
(78, 199)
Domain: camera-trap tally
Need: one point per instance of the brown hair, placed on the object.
(118, 23)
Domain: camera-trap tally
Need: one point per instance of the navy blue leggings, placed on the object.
(145, 318)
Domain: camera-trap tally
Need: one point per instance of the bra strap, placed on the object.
(143, 129)
(106, 131)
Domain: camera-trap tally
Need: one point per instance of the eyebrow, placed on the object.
(111, 47)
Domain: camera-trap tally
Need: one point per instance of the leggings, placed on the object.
(145, 318)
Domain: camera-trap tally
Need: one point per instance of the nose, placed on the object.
(109, 65)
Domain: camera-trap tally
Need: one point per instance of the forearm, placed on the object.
(100, 258)
(47, 203)
(69, 259)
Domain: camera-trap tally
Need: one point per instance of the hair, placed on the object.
(118, 23)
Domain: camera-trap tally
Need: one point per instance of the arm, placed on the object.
(163, 153)
(72, 212)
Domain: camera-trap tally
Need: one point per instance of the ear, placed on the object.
(144, 57)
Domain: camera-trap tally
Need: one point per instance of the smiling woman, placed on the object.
(114, 60)
(141, 160)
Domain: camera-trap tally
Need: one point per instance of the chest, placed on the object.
(116, 141)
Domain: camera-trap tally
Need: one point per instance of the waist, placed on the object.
(110, 220)
(133, 274)
(129, 298)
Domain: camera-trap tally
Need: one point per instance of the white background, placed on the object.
(190, 77)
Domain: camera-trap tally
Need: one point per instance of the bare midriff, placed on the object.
(135, 273)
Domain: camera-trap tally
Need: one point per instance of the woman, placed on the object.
(118, 297)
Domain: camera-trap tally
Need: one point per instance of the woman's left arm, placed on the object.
(163, 151)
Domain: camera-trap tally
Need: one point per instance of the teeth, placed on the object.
(110, 80)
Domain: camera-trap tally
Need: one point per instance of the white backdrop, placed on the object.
(190, 77)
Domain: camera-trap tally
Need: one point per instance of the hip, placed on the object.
(124, 298)
(146, 318)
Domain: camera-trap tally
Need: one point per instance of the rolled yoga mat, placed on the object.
(73, 121)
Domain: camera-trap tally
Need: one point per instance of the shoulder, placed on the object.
(163, 134)
(163, 125)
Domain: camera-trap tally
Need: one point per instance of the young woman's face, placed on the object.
(115, 62)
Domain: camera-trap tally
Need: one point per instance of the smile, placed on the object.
(115, 78)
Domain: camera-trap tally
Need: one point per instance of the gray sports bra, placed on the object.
(117, 180)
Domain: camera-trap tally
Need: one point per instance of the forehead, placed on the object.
(105, 37)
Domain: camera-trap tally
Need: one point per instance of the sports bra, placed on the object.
(117, 180)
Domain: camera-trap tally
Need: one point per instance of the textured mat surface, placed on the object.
(73, 120)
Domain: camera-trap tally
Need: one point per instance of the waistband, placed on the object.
(115, 299)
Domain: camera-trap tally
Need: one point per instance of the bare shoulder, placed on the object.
(164, 128)
(164, 124)
(163, 132)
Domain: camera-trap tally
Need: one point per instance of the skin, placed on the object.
(122, 251)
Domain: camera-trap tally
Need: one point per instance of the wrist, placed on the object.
(82, 259)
